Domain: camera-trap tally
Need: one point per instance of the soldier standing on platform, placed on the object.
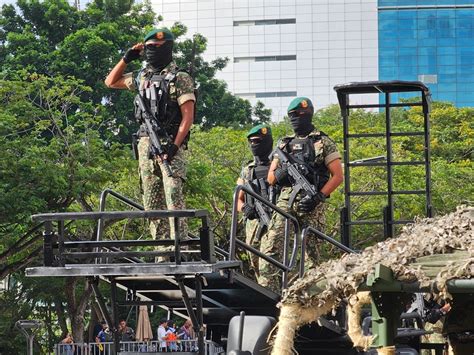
(254, 175)
(169, 94)
(322, 164)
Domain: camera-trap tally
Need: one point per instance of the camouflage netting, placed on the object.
(323, 288)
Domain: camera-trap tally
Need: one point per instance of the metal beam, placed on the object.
(131, 269)
(111, 215)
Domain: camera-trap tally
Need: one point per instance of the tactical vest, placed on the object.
(302, 150)
(155, 88)
(258, 178)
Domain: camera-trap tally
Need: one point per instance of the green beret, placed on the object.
(260, 130)
(159, 34)
(300, 104)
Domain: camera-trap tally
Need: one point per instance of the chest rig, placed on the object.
(303, 151)
(158, 91)
(258, 178)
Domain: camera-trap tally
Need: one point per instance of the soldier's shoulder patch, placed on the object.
(183, 75)
(318, 147)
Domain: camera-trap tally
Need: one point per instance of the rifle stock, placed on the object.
(263, 215)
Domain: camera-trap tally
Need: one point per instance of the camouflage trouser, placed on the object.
(435, 338)
(253, 239)
(160, 191)
(272, 242)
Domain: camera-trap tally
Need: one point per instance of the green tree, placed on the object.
(53, 160)
(52, 37)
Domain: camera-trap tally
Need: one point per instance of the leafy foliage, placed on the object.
(53, 38)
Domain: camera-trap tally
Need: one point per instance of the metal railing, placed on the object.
(138, 347)
(110, 249)
(288, 262)
(299, 239)
(322, 236)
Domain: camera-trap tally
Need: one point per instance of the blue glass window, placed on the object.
(446, 78)
(446, 96)
(447, 60)
(429, 41)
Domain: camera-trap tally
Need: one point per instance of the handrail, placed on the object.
(103, 196)
(113, 215)
(320, 235)
(288, 217)
(101, 216)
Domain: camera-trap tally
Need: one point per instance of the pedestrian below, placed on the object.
(101, 338)
(171, 336)
(68, 345)
(169, 94)
(161, 334)
(320, 163)
(126, 333)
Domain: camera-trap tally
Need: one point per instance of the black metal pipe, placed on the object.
(100, 302)
(233, 229)
(177, 239)
(263, 256)
(187, 302)
(427, 155)
(117, 254)
(199, 316)
(61, 242)
(128, 243)
(48, 244)
(114, 215)
(102, 206)
(345, 229)
(286, 242)
(115, 332)
(327, 238)
(398, 104)
(388, 143)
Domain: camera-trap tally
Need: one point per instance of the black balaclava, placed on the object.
(158, 57)
(261, 150)
(301, 123)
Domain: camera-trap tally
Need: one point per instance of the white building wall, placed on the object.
(335, 41)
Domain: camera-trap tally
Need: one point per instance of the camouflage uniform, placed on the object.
(158, 189)
(251, 225)
(272, 242)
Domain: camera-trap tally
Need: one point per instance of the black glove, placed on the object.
(281, 175)
(308, 204)
(249, 211)
(172, 150)
(131, 54)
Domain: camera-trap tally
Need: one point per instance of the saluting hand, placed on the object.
(133, 53)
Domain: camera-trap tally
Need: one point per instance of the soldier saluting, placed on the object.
(167, 97)
(254, 176)
(308, 168)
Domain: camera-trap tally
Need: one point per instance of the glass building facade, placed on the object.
(431, 41)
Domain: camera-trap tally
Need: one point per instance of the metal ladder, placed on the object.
(386, 90)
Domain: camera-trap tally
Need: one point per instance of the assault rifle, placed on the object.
(263, 216)
(153, 129)
(297, 171)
